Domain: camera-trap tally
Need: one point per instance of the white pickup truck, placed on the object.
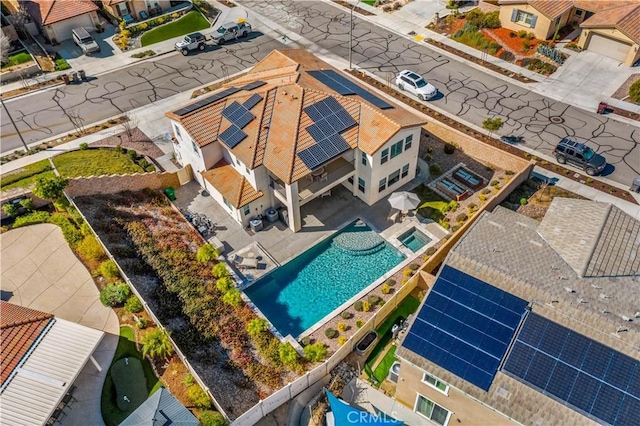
(230, 31)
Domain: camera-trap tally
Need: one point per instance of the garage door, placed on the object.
(608, 47)
(63, 28)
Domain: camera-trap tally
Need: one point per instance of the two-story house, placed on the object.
(289, 131)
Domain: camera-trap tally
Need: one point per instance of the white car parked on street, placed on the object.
(415, 84)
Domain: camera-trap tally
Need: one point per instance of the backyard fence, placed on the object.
(291, 390)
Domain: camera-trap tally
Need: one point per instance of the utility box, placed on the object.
(170, 193)
(635, 186)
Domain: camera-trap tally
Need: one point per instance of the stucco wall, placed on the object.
(541, 29)
(634, 52)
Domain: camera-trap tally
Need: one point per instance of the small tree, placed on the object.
(51, 188)
(492, 125)
(257, 326)
(220, 270)
(207, 253)
(156, 344)
(27, 204)
(232, 297)
(129, 125)
(224, 284)
(198, 397)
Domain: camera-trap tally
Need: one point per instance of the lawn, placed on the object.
(128, 379)
(25, 176)
(95, 162)
(111, 414)
(381, 371)
(192, 21)
(18, 58)
(432, 205)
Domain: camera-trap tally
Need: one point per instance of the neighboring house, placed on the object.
(610, 28)
(119, 8)
(56, 18)
(282, 135)
(161, 408)
(531, 322)
(41, 357)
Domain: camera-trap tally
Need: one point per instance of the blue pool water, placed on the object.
(414, 240)
(304, 290)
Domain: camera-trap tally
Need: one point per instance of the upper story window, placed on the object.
(525, 18)
(246, 169)
(394, 177)
(396, 149)
(432, 411)
(177, 130)
(405, 170)
(433, 382)
(364, 158)
(195, 148)
(361, 184)
(407, 142)
(247, 210)
(384, 156)
(382, 185)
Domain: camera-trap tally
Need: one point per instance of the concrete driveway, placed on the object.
(40, 271)
(78, 60)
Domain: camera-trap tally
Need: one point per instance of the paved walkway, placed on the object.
(40, 271)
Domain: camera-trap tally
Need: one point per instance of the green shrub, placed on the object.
(31, 219)
(449, 148)
(224, 284)
(358, 306)
(232, 297)
(257, 326)
(315, 352)
(346, 315)
(390, 282)
(342, 326)
(530, 36)
(288, 355)
(523, 201)
(189, 380)
(634, 91)
(90, 249)
(331, 333)
(522, 33)
(434, 169)
(462, 217)
(475, 17)
(207, 253)
(61, 204)
(212, 418)
(385, 289)
(10, 209)
(71, 234)
(454, 228)
(491, 20)
(141, 323)
(452, 206)
(359, 323)
(372, 299)
(220, 270)
(133, 155)
(133, 305)
(84, 146)
(305, 341)
(494, 182)
(77, 217)
(109, 269)
(430, 251)
(198, 397)
(366, 306)
(342, 340)
(27, 204)
(114, 294)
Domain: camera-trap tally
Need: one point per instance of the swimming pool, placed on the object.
(414, 240)
(304, 290)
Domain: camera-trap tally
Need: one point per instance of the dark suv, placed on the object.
(579, 155)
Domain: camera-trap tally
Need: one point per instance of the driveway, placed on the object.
(40, 271)
(78, 60)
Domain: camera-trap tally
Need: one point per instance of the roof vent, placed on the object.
(637, 315)
(569, 289)
(582, 301)
(597, 287)
(561, 277)
(604, 296)
(604, 311)
(626, 318)
(621, 329)
(495, 250)
(555, 268)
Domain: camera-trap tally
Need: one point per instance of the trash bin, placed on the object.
(602, 107)
(65, 78)
(635, 186)
(170, 193)
(74, 76)
(82, 75)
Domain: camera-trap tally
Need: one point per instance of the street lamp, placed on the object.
(351, 32)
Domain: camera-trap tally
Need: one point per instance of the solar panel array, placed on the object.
(330, 119)
(232, 136)
(465, 326)
(207, 101)
(253, 85)
(252, 101)
(580, 372)
(237, 114)
(344, 86)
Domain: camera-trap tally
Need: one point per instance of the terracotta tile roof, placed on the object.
(625, 18)
(112, 2)
(551, 8)
(48, 12)
(596, 6)
(234, 187)
(279, 131)
(19, 329)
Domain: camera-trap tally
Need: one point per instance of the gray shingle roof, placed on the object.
(161, 409)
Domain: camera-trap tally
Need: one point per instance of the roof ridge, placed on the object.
(592, 249)
(26, 321)
(296, 138)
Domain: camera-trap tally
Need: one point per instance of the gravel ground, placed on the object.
(623, 91)
(139, 142)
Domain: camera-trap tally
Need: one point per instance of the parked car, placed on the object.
(83, 39)
(579, 155)
(416, 84)
(191, 42)
(230, 31)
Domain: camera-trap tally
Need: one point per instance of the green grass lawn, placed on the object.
(191, 22)
(94, 162)
(432, 205)
(381, 371)
(407, 307)
(369, 2)
(18, 58)
(25, 176)
(128, 378)
(111, 414)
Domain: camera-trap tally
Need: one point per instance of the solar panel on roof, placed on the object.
(252, 101)
(344, 86)
(253, 85)
(321, 76)
(586, 375)
(308, 159)
(473, 336)
(207, 101)
(313, 113)
(232, 136)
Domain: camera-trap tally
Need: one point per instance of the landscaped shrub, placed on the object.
(522, 33)
(133, 155)
(634, 91)
(61, 204)
(207, 253)
(472, 207)
(220, 270)
(257, 326)
(212, 418)
(407, 272)
(390, 282)
(71, 234)
(359, 323)
(27, 204)
(114, 294)
(289, 356)
(462, 217)
(366, 306)
(491, 20)
(505, 55)
(342, 326)
(373, 299)
(305, 341)
(198, 397)
(224, 284)
(10, 209)
(84, 146)
(449, 148)
(434, 169)
(430, 251)
(346, 315)
(109, 269)
(315, 352)
(523, 201)
(89, 248)
(385, 289)
(342, 340)
(454, 228)
(358, 306)
(494, 182)
(141, 323)
(331, 333)
(133, 305)
(452, 206)
(31, 219)
(539, 66)
(232, 297)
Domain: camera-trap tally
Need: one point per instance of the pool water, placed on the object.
(304, 290)
(414, 240)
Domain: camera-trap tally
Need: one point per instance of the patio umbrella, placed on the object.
(404, 200)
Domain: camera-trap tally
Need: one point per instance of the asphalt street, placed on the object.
(467, 91)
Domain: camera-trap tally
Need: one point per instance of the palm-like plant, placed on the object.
(220, 270)
(156, 344)
(257, 326)
(207, 253)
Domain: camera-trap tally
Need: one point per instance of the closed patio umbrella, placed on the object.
(404, 200)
